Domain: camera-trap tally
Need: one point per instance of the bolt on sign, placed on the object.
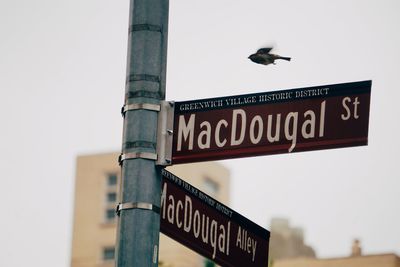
(210, 228)
(304, 119)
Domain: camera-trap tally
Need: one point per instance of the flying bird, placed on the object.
(263, 56)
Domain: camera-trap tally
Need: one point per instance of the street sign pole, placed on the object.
(139, 219)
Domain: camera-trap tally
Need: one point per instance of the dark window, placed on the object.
(108, 253)
(111, 197)
(110, 214)
(112, 179)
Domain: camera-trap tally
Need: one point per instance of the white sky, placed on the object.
(62, 73)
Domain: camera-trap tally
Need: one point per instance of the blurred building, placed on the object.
(287, 242)
(380, 260)
(96, 196)
(356, 259)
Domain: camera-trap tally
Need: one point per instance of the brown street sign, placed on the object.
(210, 228)
(313, 118)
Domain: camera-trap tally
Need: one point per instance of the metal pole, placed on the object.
(139, 220)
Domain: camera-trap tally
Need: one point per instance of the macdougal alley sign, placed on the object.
(210, 228)
(321, 117)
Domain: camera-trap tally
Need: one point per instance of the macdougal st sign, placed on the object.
(322, 117)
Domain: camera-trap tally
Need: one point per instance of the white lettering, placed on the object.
(239, 238)
(205, 133)
(164, 199)
(293, 135)
(182, 214)
(228, 238)
(179, 206)
(217, 133)
(254, 130)
(196, 224)
(254, 245)
(221, 239)
(213, 237)
(187, 220)
(185, 131)
(246, 243)
(356, 103)
(204, 233)
(347, 116)
(310, 124)
(242, 114)
(322, 119)
(256, 120)
(171, 208)
(277, 128)
(348, 112)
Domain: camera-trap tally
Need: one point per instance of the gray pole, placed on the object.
(139, 220)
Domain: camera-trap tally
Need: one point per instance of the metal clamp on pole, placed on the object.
(136, 106)
(136, 155)
(136, 205)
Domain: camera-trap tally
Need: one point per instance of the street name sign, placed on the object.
(210, 228)
(286, 121)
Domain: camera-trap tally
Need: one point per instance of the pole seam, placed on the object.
(143, 93)
(139, 144)
(143, 77)
(145, 27)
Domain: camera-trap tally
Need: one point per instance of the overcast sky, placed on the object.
(62, 74)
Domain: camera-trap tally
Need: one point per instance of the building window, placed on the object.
(108, 254)
(110, 197)
(110, 214)
(112, 179)
(211, 187)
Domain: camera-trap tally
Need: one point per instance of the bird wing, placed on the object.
(264, 50)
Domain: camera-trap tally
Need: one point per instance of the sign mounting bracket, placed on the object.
(165, 133)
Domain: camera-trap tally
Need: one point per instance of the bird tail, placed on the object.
(286, 58)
